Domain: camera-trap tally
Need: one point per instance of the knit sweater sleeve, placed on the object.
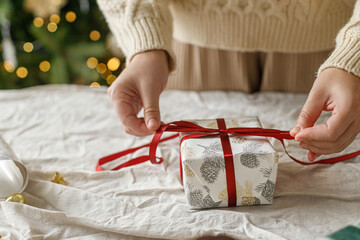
(140, 25)
(346, 54)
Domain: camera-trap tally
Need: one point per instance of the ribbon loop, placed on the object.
(189, 127)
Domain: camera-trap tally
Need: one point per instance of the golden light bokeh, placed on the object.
(55, 18)
(52, 27)
(9, 66)
(92, 62)
(113, 64)
(105, 74)
(22, 72)
(28, 47)
(94, 35)
(94, 84)
(101, 68)
(110, 79)
(38, 22)
(44, 66)
(70, 16)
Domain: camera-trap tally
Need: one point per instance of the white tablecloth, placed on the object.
(68, 128)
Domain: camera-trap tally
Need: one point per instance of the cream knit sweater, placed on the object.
(245, 25)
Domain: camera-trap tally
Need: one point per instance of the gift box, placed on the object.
(224, 170)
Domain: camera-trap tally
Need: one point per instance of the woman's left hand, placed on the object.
(334, 90)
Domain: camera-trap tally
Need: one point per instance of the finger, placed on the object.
(323, 151)
(350, 133)
(313, 156)
(310, 112)
(151, 110)
(335, 126)
(127, 112)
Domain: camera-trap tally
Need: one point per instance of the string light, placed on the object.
(52, 27)
(22, 72)
(38, 22)
(55, 18)
(105, 74)
(70, 16)
(113, 64)
(94, 84)
(101, 68)
(44, 66)
(94, 35)
(9, 66)
(92, 62)
(110, 79)
(28, 47)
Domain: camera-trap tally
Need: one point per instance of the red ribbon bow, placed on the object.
(198, 132)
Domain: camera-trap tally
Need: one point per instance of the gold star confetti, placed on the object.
(15, 197)
(58, 178)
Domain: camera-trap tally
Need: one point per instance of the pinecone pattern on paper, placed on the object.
(237, 139)
(276, 156)
(249, 160)
(266, 172)
(188, 171)
(268, 191)
(187, 151)
(4, 156)
(232, 123)
(197, 199)
(208, 202)
(212, 125)
(250, 201)
(245, 193)
(213, 162)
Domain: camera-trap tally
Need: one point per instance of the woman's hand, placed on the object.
(139, 86)
(334, 90)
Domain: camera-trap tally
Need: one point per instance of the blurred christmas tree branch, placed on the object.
(56, 42)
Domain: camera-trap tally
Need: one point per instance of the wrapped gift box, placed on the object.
(203, 167)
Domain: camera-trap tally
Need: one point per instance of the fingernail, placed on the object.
(295, 130)
(152, 122)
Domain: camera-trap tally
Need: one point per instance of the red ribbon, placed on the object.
(198, 132)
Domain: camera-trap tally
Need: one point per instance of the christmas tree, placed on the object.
(56, 42)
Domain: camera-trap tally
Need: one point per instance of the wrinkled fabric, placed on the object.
(68, 128)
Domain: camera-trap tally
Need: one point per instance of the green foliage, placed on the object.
(67, 49)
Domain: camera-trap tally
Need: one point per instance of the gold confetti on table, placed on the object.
(15, 197)
(58, 178)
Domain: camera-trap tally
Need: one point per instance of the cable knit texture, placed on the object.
(243, 25)
(347, 51)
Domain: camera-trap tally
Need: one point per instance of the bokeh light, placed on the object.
(38, 22)
(70, 16)
(101, 68)
(22, 72)
(94, 84)
(110, 79)
(28, 47)
(55, 18)
(9, 66)
(113, 64)
(94, 35)
(92, 62)
(44, 66)
(52, 27)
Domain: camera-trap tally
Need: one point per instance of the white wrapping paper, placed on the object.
(204, 174)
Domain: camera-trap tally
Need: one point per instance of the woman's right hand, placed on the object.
(139, 86)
